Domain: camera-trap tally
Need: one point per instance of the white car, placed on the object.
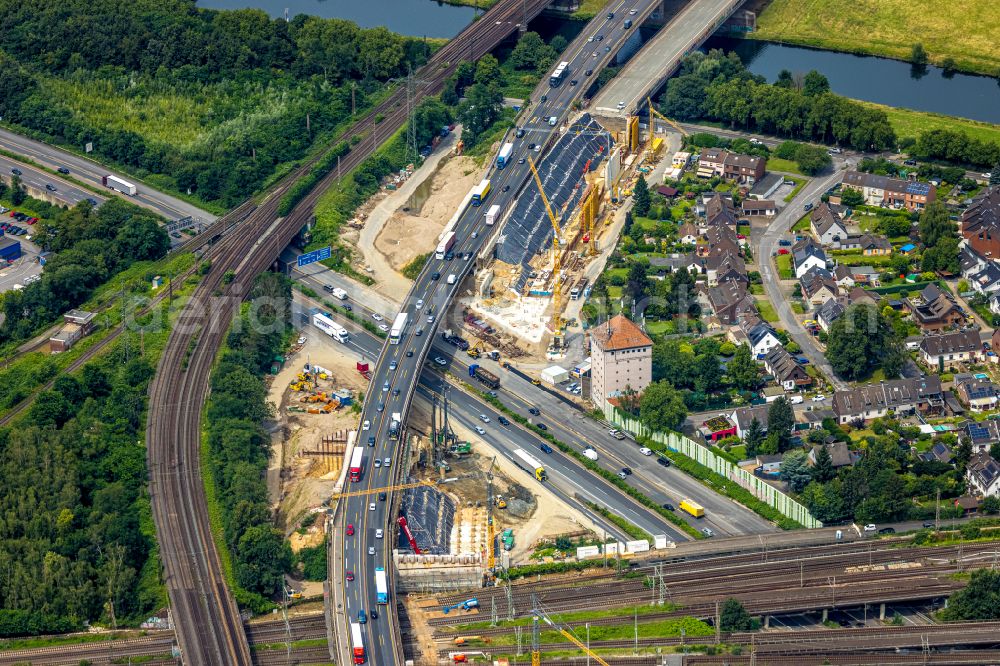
(480, 430)
(302, 340)
(378, 534)
(366, 425)
(870, 527)
(376, 316)
(819, 398)
(386, 462)
(590, 39)
(371, 550)
(646, 451)
(371, 507)
(632, 12)
(987, 176)
(420, 303)
(484, 418)
(377, 463)
(383, 328)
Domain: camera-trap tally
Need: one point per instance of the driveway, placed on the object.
(768, 245)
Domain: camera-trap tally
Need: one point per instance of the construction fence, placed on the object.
(760, 489)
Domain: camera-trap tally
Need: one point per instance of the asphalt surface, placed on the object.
(368, 515)
(65, 191)
(88, 171)
(651, 66)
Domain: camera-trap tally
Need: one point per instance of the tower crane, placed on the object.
(398, 486)
(536, 657)
(557, 339)
(490, 527)
(652, 112)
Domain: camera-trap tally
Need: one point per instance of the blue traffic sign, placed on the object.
(314, 256)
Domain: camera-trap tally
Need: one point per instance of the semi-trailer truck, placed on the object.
(381, 586)
(530, 463)
(492, 214)
(504, 156)
(357, 645)
(445, 245)
(330, 327)
(485, 376)
(692, 507)
(118, 185)
(356, 461)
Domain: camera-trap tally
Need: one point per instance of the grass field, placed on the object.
(912, 123)
(784, 263)
(778, 164)
(767, 311)
(966, 31)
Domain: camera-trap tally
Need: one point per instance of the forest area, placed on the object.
(210, 103)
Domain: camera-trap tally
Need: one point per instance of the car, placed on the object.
(607, 49)
(386, 462)
(371, 507)
(521, 161)
(808, 207)
(819, 398)
(573, 82)
(385, 387)
(350, 529)
(988, 175)
(371, 441)
(377, 317)
(545, 448)
(870, 527)
(393, 364)
(519, 133)
(590, 39)
(50, 187)
(440, 360)
(534, 411)
(910, 162)
(627, 471)
(395, 392)
(420, 303)
(506, 188)
(378, 534)
(381, 407)
(418, 332)
(621, 105)
(600, 38)
(503, 420)
(92, 201)
(377, 464)
(668, 506)
(646, 451)
(366, 425)
(588, 72)
(63, 170)
(349, 575)
(622, 475)
(707, 531)
(784, 242)
(783, 251)
(435, 276)
(373, 614)
(632, 12)
(484, 418)
(541, 426)
(480, 430)
(887, 530)
(663, 461)
(594, 54)
(16, 172)
(409, 353)
(384, 328)
(430, 319)
(611, 15)
(928, 525)
(371, 549)
(347, 307)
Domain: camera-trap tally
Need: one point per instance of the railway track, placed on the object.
(954, 658)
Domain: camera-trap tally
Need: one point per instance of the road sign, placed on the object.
(314, 256)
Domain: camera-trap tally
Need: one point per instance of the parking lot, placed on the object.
(27, 269)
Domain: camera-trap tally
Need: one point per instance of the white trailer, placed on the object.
(447, 242)
(492, 214)
(330, 327)
(119, 185)
(398, 326)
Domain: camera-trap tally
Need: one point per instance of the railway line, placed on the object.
(952, 658)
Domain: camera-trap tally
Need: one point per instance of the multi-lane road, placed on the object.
(395, 377)
(38, 179)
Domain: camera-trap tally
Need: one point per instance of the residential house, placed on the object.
(840, 454)
(859, 295)
(687, 234)
(849, 242)
(806, 255)
(971, 262)
(943, 352)
(979, 395)
(866, 275)
(787, 372)
(937, 309)
(818, 286)
(716, 428)
(720, 211)
(981, 223)
(761, 338)
(907, 249)
(766, 186)
(667, 191)
(744, 416)
(744, 169)
(730, 299)
(828, 313)
(892, 192)
(982, 434)
(903, 396)
(826, 225)
(759, 207)
(843, 277)
(987, 280)
(768, 463)
(938, 453)
(621, 356)
(873, 245)
(676, 262)
(724, 267)
(982, 475)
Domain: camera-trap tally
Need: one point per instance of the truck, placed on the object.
(118, 185)
(504, 156)
(356, 464)
(398, 326)
(492, 214)
(357, 645)
(480, 192)
(339, 293)
(692, 507)
(484, 376)
(330, 327)
(449, 336)
(364, 370)
(444, 247)
(531, 464)
(394, 425)
(381, 586)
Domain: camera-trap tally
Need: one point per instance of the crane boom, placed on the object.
(556, 262)
(372, 491)
(570, 637)
(653, 111)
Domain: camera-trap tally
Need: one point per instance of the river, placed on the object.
(417, 18)
(872, 79)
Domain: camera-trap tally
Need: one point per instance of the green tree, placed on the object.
(918, 55)
(734, 617)
(995, 174)
(263, 558)
(812, 159)
(851, 197)
(823, 469)
(815, 83)
(708, 373)
(862, 340)
(978, 601)
(662, 407)
(785, 80)
(780, 420)
(637, 285)
(17, 193)
(935, 224)
(488, 71)
(640, 197)
(795, 470)
(990, 505)
(754, 437)
(943, 256)
(743, 369)
(531, 53)
(481, 109)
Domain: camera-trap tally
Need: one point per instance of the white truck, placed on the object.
(492, 214)
(330, 327)
(394, 425)
(119, 185)
(339, 293)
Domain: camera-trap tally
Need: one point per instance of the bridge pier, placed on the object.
(767, 621)
(881, 611)
(826, 613)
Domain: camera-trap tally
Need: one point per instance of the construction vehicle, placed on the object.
(474, 352)
(461, 448)
(652, 112)
(405, 527)
(499, 502)
(557, 335)
(485, 377)
(466, 605)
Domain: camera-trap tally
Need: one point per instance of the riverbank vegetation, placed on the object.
(208, 102)
(966, 32)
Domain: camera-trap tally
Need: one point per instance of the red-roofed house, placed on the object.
(621, 356)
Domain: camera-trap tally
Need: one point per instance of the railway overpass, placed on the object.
(659, 58)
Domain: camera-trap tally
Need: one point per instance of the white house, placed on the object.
(806, 255)
(950, 349)
(762, 338)
(982, 475)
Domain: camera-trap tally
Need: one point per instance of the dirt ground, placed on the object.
(407, 234)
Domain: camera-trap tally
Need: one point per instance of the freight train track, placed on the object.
(951, 658)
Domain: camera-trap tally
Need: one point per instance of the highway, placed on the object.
(362, 552)
(66, 192)
(90, 172)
